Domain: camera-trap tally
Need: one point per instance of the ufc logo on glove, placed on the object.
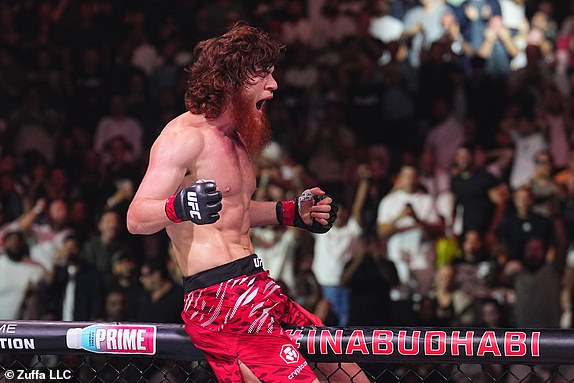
(199, 203)
(193, 205)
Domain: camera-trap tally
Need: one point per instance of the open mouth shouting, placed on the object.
(261, 103)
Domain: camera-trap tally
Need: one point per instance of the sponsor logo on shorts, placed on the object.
(289, 354)
(297, 370)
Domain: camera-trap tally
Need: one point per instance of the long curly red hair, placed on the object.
(222, 66)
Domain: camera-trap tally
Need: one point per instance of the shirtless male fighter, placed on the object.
(198, 186)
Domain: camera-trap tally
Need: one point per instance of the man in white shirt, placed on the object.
(18, 276)
(407, 219)
(331, 253)
(528, 140)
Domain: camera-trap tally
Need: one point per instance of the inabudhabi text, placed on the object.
(417, 342)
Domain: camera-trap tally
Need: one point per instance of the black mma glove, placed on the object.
(200, 203)
(288, 213)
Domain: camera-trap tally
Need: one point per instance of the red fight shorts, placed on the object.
(235, 311)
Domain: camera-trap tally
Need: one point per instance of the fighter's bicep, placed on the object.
(160, 182)
(171, 158)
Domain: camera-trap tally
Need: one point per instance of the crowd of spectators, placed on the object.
(443, 129)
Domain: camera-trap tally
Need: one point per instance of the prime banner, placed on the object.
(318, 344)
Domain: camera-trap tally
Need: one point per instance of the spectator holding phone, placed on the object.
(408, 221)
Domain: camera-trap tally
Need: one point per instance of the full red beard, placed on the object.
(253, 128)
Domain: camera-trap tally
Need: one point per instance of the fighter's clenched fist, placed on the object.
(305, 210)
(199, 203)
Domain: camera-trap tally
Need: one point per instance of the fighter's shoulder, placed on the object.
(182, 130)
(179, 137)
(182, 126)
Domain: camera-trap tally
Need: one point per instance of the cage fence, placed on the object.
(105, 369)
(35, 351)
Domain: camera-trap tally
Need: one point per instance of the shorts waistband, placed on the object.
(249, 265)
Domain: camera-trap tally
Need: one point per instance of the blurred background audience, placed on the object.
(443, 128)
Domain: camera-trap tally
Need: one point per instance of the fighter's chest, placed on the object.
(230, 167)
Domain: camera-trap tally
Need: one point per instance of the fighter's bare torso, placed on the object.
(222, 158)
(193, 147)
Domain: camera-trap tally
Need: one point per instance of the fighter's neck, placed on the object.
(224, 123)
